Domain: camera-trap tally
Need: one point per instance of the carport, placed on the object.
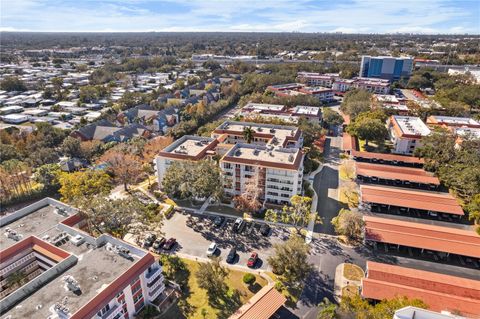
(429, 237)
(438, 291)
(389, 159)
(396, 176)
(262, 305)
(417, 203)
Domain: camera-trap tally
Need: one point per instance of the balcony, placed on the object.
(153, 274)
(156, 291)
(112, 312)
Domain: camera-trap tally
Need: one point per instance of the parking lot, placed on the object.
(194, 233)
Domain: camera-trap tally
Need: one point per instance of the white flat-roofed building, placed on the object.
(186, 148)
(281, 112)
(276, 171)
(318, 79)
(321, 93)
(68, 272)
(419, 313)
(15, 118)
(342, 85)
(377, 86)
(451, 121)
(406, 133)
(273, 158)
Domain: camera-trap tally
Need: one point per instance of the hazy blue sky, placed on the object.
(360, 16)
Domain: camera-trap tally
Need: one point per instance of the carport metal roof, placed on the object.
(438, 291)
(388, 157)
(464, 242)
(417, 199)
(262, 305)
(413, 175)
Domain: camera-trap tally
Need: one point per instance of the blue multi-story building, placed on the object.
(386, 67)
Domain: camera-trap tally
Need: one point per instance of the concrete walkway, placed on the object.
(341, 282)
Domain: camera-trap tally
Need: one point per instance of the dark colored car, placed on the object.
(252, 260)
(170, 243)
(232, 254)
(149, 240)
(158, 244)
(265, 229)
(218, 221)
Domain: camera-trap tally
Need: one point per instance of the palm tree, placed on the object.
(248, 134)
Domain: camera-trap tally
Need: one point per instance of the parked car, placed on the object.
(211, 249)
(149, 240)
(158, 244)
(232, 254)
(265, 229)
(252, 260)
(238, 224)
(218, 221)
(170, 243)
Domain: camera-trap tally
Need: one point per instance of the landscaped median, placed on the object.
(347, 280)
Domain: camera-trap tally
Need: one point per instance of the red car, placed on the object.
(252, 260)
(169, 244)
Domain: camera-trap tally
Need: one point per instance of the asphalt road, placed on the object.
(326, 185)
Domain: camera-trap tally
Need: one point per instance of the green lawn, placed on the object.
(353, 272)
(194, 299)
(373, 147)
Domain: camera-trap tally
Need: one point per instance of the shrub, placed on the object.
(169, 212)
(249, 278)
(279, 285)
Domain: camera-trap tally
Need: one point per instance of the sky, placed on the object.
(347, 16)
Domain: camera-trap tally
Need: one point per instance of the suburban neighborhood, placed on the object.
(242, 175)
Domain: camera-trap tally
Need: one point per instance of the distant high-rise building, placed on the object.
(386, 67)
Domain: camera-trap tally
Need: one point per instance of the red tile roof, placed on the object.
(388, 157)
(349, 142)
(463, 242)
(414, 175)
(262, 305)
(438, 291)
(434, 201)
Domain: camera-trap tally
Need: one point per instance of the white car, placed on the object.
(211, 249)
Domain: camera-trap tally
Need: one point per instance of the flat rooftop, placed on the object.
(34, 224)
(265, 156)
(307, 110)
(280, 132)
(409, 126)
(98, 264)
(188, 146)
(417, 199)
(265, 107)
(95, 270)
(452, 121)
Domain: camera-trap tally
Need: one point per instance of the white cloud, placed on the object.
(256, 16)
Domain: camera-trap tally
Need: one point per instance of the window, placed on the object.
(136, 287)
(104, 310)
(137, 298)
(227, 165)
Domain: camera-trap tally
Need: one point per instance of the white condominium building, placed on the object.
(273, 159)
(406, 133)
